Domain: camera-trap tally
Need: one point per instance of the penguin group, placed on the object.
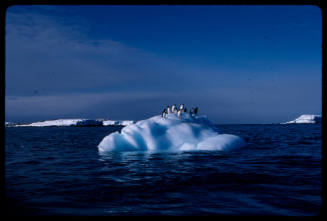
(175, 110)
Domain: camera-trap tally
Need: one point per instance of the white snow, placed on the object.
(59, 122)
(75, 122)
(89, 123)
(8, 124)
(170, 134)
(306, 119)
(117, 122)
(110, 122)
(126, 122)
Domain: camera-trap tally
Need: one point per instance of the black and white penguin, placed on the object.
(179, 113)
(181, 107)
(168, 110)
(185, 110)
(196, 110)
(174, 108)
(163, 114)
(192, 111)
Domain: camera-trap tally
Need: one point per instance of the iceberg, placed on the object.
(117, 122)
(9, 124)
(306, 119)
(89, 123)
(110, 122)
(58, 122)
(126, 122)
(74, 122)
(170, 133)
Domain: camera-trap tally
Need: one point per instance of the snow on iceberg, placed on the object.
(306, 119)
(126, 122)
(171, 133)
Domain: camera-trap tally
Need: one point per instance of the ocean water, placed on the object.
(59, 171)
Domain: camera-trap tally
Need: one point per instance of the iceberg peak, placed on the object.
(306, 119)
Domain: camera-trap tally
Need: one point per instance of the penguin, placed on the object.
(192, 111)
(179, 113)
(168, 110)
(196, 110)
(185, 110)
(163, 114)
(181, 107)
(174, 108)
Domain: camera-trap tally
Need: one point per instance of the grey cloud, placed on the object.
(122, 105)
(47, 56)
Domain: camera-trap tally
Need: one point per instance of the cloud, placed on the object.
(222, 104)
(54, 69)
(50, 57)
(115, 105)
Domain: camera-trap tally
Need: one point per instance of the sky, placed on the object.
(237, 64)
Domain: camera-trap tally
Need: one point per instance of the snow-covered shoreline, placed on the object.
(72, 122)
(303, 119)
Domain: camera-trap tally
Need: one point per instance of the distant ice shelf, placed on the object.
(306, 119)
(58, 122)
(73, 122)
(117, 122)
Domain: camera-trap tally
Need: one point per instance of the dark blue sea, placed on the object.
(59, 171)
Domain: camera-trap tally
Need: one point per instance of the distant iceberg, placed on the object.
(58, 122)
(8, 124)
(110, 122)
(117, 122)
(170, 133)
(306, 119)
(74, 122)
(89, 123)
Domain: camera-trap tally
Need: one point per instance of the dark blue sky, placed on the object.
(238, 64)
